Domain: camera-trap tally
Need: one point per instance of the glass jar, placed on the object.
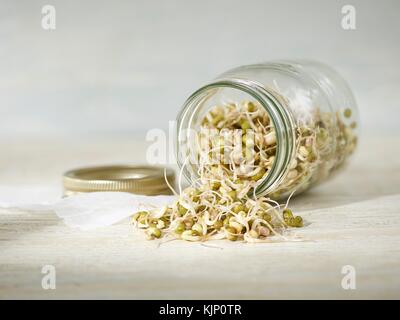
(310, 106)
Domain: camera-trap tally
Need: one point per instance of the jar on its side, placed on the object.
(311, 107)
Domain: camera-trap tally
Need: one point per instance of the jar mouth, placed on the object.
(277, 110)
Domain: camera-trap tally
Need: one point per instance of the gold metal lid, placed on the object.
(145, 180)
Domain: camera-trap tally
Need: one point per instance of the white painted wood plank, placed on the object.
(352, 220)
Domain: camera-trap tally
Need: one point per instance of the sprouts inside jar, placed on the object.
(236, 148)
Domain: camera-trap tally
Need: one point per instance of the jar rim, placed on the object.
(277, 110)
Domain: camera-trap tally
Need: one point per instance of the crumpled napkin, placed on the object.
(84, 211)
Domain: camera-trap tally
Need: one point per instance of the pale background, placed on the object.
(122, 67)
(87, 92)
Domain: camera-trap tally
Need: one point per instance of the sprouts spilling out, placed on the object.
(236, 149)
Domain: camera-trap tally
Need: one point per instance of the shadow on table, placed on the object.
(317, 199)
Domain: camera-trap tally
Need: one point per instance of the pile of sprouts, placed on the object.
(236, 150)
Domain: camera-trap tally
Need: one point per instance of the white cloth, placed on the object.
(85, 211)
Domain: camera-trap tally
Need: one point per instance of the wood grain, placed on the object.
(352, 220)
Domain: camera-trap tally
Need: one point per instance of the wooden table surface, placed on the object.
(353, 220)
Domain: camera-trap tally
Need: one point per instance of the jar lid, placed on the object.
(144, 180)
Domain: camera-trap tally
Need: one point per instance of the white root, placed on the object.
(224, 199)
